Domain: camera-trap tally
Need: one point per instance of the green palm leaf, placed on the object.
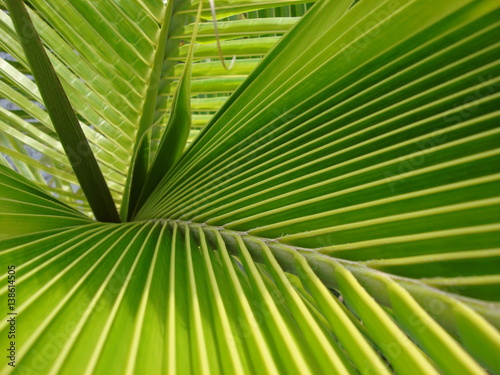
(337, 213)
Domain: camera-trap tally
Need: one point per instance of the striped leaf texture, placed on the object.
(165, 296)
(338, 213)
(119, 63)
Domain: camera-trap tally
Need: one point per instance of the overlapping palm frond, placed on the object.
(243, 37)
(107, 71)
